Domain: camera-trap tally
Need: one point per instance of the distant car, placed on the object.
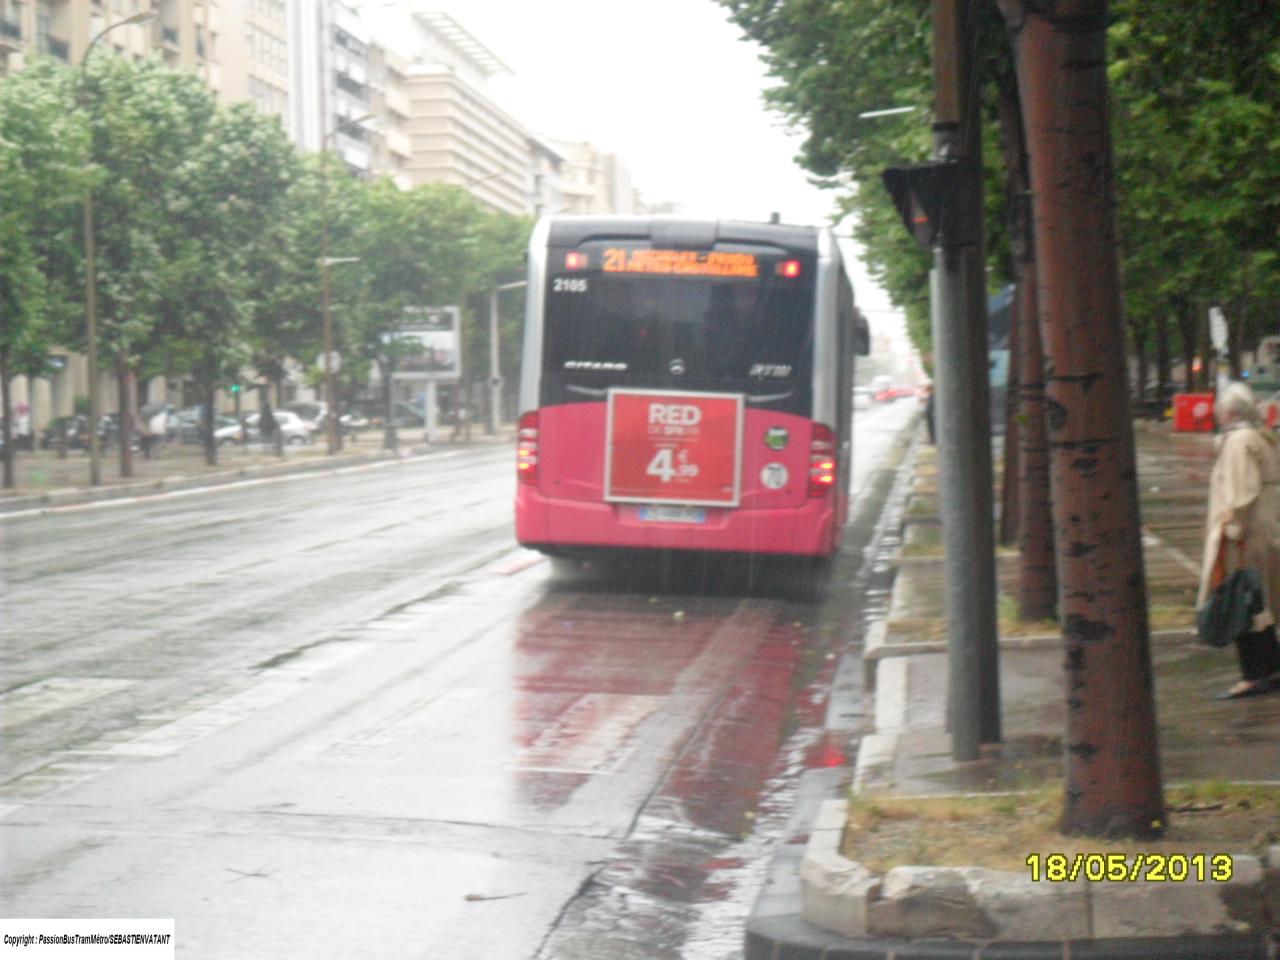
(313, 411)
(294, 429)
(374, 413)
(187, 425)
(863, 398)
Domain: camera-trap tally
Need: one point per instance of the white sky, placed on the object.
(671, 87)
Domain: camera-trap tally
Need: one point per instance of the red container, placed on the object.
(1193, 412)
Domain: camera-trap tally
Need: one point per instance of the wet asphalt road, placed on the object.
(345, 715)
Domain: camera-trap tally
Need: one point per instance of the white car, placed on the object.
(292, 427)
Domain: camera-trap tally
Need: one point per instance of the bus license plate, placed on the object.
(664, 513)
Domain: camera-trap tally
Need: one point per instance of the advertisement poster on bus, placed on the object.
(670, 447)
(434, 355)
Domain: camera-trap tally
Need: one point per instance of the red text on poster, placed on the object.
(666, 447)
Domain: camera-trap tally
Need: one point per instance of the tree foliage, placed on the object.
(209, 231)
(1195, 93)
(1196, 102)
(42, 154)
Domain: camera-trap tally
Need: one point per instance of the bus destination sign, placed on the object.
(688, 263)
(669, 447)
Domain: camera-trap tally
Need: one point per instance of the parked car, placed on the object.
(74, 427)
(293, 427)
(375, 413)
(186, 424)
(863, 398)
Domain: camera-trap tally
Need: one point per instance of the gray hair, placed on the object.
(1236, 402)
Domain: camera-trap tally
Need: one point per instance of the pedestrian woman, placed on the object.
(1243, 531)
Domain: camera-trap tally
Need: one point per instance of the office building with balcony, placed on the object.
(391, 143)
(63, 29)
(458, 133)
(332, 85)
(594, 181)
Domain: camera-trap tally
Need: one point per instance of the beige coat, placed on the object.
(1244, 511)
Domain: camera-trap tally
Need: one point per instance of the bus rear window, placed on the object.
(690, 331)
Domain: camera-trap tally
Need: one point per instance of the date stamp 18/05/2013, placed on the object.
(1129, 867)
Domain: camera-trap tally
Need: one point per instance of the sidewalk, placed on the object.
(45, 480)
(977, 912)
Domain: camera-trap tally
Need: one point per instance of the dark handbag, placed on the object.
(1230, 609)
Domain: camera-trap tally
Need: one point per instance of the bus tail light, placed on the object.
(822, 461)
(527, 448)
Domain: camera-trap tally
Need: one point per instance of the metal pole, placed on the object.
(495, 385)
(91, 326)
(90, 277)
(330, 388)
(495, 369)
(965, 476)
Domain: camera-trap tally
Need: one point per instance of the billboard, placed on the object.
(670, 447)
(436, 354)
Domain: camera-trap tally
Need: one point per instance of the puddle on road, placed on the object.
(683, 882)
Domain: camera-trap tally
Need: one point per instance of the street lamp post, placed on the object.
(90, 278)
(495, 371)
(330, 387)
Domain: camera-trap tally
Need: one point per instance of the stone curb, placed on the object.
(81, 495)
(792, 938)
(880, 644)
(999, 906)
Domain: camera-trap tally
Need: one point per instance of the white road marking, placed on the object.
(228, 485)
(593, 736)
(53, 694)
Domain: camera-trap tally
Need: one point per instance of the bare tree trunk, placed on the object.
(124, 392)
(1188, 333)
(1162, 361)
(1204, 379)
(1037, 574)
(390, 439)
(1113, 785)
(208, 389)
(1140, 364)
(1009, 500)
(6, 403)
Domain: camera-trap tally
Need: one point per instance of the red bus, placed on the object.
(685, 385)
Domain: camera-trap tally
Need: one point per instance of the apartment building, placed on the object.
(392, 142)
(331, 81)
(458, 134)
(594, 181)
(64, 29)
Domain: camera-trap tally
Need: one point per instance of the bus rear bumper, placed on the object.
(552, 525)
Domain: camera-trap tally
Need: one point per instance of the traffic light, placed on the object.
(235, 388)
(925, 198)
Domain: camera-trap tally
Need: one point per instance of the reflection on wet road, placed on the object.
(346, 715)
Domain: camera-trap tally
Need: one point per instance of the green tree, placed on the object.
(147, 123)
(835, 60)
(1197, 96)
(43, 145)
(226, 194)
(417, 248)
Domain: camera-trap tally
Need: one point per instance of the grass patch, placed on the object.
(923, 507)
(1000, 831)
(921, 550)
(918, 631)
